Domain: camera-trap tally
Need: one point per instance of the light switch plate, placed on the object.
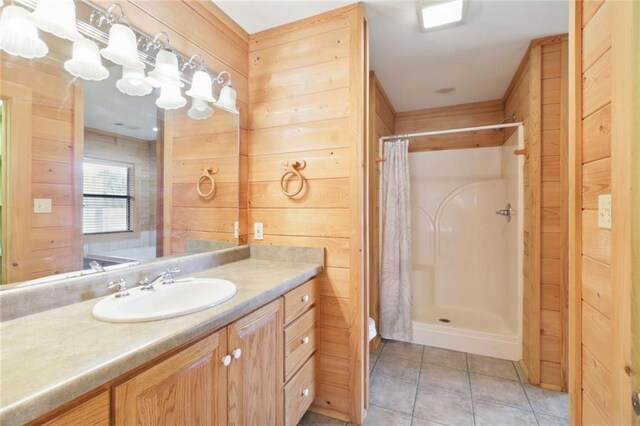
(236, 230)
(42, 205)
(258, 231)
(604, 211)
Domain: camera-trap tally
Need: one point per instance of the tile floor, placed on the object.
(414, 385)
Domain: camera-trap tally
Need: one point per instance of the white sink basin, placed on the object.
(165, 300)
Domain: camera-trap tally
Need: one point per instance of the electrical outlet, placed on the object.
(258, 231)
(42, 205)
(604, 211)
(236, 230)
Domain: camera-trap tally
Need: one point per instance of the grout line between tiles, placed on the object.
(415, 397)
(473, 404)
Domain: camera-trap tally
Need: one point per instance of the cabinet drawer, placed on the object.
(300, 392)
(299, 300)
(300, 341)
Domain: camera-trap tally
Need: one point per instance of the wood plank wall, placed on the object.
(49, 243)
(537, 96)
(191, 146)
(306, 88)
(452, 117)
(602, 125)
(198, 26)
(382, 117)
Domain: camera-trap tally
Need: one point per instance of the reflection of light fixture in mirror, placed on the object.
(166, 71)
(57, 17)
(199, 110)
(85, 62)
(19, 35)
(227, 99)
(133, 83)
(170, 97)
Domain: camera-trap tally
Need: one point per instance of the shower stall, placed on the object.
(467, 247)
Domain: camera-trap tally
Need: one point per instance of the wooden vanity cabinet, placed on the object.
(259, 370)
(255, 391)
(188, 388)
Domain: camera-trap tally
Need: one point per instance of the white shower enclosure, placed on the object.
(467, 259)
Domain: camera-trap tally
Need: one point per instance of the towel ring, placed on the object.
(292, 168)
(207, 175)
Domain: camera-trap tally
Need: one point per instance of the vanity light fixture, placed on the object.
(122, 48)
(57, 17)
(438, 13)
(133, 83)
(170, 97)
(201, 84)
(85, 62)
(227, 99)
(19, 35)
(200, 110)
(166, 70)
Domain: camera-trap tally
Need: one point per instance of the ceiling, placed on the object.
(109, 110)
(477, 58)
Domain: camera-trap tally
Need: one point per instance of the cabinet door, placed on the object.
(94, 412)
(255, 390)
(188, 388)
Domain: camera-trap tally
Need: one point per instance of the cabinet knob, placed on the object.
(236, 353)
(305, 392)
(226, 360)
(305, 340)
(305, 298)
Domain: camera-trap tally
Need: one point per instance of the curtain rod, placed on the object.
(449, 131)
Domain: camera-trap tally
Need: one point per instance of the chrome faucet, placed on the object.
(121, 284)
(96, 266)
(508, 212)
(164, 277)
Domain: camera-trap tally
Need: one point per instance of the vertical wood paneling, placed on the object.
(306, 92)
(604, 59)
(382, 118)
(538, 97)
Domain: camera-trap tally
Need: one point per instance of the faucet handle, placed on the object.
(121, 284)
(169, 278)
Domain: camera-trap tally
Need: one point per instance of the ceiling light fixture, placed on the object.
(57, 17)
(85, 62)
(19, 35)
(438, 13)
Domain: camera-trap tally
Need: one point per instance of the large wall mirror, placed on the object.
(94, 174)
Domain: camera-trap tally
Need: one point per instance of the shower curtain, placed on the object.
(395, 284)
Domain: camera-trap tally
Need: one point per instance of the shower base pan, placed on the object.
(473, 332)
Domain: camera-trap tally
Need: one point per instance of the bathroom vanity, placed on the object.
(250, 360)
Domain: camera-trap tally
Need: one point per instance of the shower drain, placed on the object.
(445, 320)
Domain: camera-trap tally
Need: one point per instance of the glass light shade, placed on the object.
(199, 110)
(57, 17)
(122, 48)
(201, 87)
(227, 99)
(19, 35)
(166, 70)
(170, 97)
(133, 83)
(85, 62)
